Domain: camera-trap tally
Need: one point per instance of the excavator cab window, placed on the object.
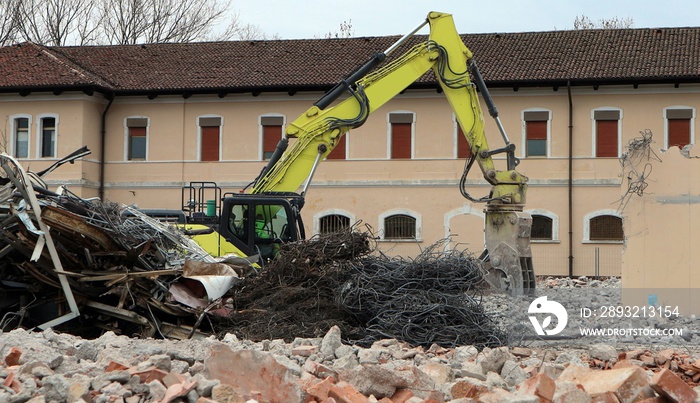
(259, 224)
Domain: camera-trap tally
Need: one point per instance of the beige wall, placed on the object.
(368, 185)
(661, 227)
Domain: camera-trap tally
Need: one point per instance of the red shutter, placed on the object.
(210, 143)
(678, 132)
(606, 138)
(400, 140)
(338, 152)
(537, 130)
(137, 131)
(271, 136)
(463, 149)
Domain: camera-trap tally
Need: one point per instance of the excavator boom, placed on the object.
(349, 104)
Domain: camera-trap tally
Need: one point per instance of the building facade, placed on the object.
(159, 117)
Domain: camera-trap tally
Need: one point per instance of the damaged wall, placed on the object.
(662, 228)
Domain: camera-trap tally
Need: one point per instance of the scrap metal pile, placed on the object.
(335, 280)
(85, 266)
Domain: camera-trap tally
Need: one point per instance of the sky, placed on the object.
(304, 19)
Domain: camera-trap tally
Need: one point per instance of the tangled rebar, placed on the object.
(431, 299)
(636, 166)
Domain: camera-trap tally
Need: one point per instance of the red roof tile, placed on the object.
(530, 58)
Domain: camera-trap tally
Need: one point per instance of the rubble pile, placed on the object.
(48, 366)
(110, 266)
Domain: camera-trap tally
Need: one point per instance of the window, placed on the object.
(463, 149)
(21, 137)
(271, 134)
(545, 226)
(536, 133)
(401, 127)
(47, 137)
(137, 144)
(339, 151)
(333, 223)
(210, 138)
(606, 228)
(603, 226)
(607, 133)
(541, 228)
(678, 127)
(399, 226)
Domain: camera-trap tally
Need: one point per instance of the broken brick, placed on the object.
(467, 389)
(12, 357)
(343, 392)
(149, 374)
(320, 370)
(607, 397)
(628, 384)
(667, 384)
(320, 390)
(540, 386)
(115, 366)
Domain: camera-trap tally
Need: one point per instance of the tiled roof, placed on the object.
(517, 59)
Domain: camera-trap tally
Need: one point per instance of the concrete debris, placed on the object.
(110, 267)
(145, 370)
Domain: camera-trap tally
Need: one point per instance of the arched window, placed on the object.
(333, 223)
(606, 228)
(399, 226)
(545, 226)
(603, 226)
(541, 228)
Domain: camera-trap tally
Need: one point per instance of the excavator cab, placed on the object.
(258, 224)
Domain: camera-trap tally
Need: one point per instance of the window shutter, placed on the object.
(210, 143)
(678, 132)
(463, 148)
(401, 140)
(606, 138)
(272, 134)
(338, 152)
(536, 130)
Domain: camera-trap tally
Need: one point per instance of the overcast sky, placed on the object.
(297, 19)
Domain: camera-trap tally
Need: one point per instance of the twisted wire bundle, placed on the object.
(431, 299)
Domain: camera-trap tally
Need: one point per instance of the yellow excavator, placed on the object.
(267, 212)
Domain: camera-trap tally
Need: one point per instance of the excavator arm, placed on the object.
(317, 131)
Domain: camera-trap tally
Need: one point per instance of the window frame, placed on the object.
(536, 115)
(200, 135)
(127, 137)
(587, 227)
(404, 212)
(400, 117)
(317, 217)
(555, 225)
(601, 112)
(40, 137)
(671, 110)
(13, 134)
(269, 119)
